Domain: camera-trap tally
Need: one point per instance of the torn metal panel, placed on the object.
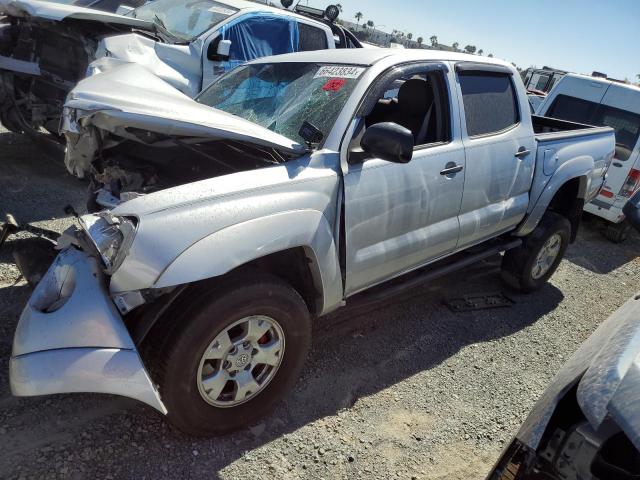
(21, 66)
(43, 10)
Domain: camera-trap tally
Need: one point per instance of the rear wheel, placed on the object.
(617, 232)
(237, 353)
(528, 267)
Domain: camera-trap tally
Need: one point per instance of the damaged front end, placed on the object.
(143, 136)
(45, 49)
(71, 336)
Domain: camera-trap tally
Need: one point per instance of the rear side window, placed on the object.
(311, 38)
(490, 102)
(542, 82)
(627, 127)
(626, 124)
(572, 109)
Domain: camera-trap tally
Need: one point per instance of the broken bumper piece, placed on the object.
(71, 338)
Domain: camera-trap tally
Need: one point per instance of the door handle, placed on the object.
(451, 168)
(522, 152)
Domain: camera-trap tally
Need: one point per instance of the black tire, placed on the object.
(518, 264)
(208, 314)
(617, 232)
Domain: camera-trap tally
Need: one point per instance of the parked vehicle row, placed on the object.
(600, 101)
(290, 187)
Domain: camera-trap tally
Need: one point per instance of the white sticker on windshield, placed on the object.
(221, 10)
(335, 71)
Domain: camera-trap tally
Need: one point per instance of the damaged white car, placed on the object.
(319, 180)
(46, 47)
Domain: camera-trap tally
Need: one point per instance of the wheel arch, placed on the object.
(565, 193)
(297, 246)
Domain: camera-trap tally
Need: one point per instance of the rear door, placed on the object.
(500, 152)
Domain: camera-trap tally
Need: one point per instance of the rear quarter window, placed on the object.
(490, 102)
(311, 38)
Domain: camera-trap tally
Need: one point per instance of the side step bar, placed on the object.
(428, 274)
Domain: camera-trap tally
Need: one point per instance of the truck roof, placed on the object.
(247, 5)
(603, 81)
(370, 56)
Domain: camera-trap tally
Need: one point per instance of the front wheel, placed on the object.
(237, 353)
(528, 267)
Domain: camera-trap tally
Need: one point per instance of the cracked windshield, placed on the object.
(282, 96)
(184, 20)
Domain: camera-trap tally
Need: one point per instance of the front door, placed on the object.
(401, 216)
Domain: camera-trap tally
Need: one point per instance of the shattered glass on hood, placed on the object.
(282, 96)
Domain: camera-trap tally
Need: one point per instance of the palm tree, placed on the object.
(339, 7)
(480, 52)
(372, 26)
(470, 49)
(434, 41)
(359, 16)
(455, 46)
(490, 55)
(420, 40)
(409, 36)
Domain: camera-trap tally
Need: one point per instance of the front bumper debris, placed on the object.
(71, 338)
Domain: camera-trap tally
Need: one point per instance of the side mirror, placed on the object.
(388, 141)
(219, 50)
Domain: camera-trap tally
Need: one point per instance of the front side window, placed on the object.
(418, 102)
(184, 19)
(490, 102)
(626, 124)
(283, 96)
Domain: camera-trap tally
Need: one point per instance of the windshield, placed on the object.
(184, 19)
(283, 96)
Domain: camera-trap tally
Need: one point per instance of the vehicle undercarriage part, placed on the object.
(481, 301)
(31, 255)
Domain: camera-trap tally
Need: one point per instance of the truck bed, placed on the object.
(546, 128)
(560, 142)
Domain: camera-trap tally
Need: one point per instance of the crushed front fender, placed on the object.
(71, 338)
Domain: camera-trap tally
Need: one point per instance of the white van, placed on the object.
(599, 101)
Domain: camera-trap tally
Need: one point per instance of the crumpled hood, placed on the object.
(131, 97)
(58, 12)
(607, 370)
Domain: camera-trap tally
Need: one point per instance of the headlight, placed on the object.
(112, 236)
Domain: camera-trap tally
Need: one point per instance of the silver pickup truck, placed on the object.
(333, 178)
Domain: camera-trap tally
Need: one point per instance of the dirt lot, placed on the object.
(409, 390)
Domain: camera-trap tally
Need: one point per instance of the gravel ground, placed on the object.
(407, 390)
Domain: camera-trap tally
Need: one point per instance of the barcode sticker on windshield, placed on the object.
(339, 72)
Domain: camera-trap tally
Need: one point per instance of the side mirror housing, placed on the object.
(388, 141)
(219, 50)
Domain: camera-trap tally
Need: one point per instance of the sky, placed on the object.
(579, 36)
